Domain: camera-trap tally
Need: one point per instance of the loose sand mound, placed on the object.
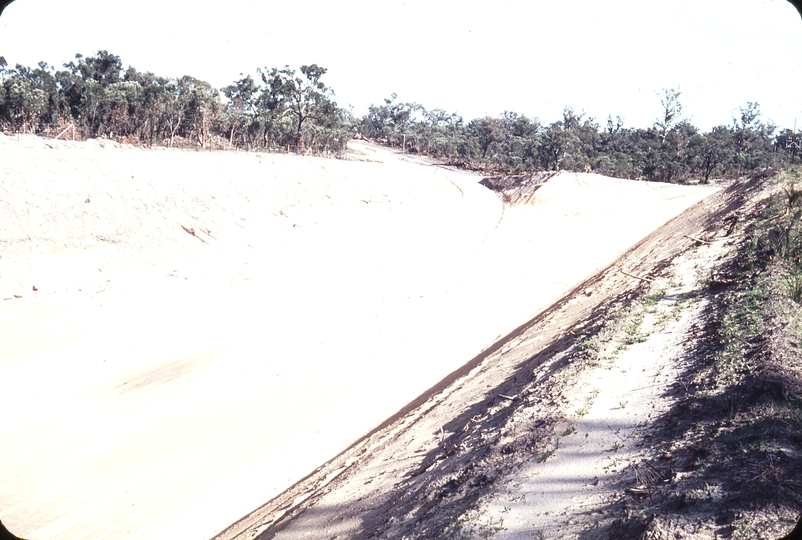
(160, 384)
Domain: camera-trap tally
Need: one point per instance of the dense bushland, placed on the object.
(672, 150)
(287, 110)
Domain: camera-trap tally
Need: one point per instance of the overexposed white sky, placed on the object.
(533, 57)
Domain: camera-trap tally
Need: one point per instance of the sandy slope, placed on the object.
(539, 435)
(162, 385)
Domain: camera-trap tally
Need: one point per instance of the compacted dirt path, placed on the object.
(186, 335)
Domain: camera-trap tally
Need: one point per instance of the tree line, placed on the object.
(672, 150)
(288, 110)
(95, 95)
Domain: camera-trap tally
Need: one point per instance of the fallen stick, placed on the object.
(637, 277)
(696, 239)
(191, 231)
(65, 131)
(511, 398)
(205, 233)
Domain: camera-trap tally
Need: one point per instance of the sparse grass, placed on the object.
(783, 231)
(587, 352)
(628, 328)
(793, 283)
(632, 333)
(492, 528)
(673, 311)
(614, 462)
(471, 524)
(585, 408)
(590, 344)
(546, 454)
(617, 334)
(737, 429)
(653, 299)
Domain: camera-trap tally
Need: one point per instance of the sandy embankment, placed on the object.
(160, 386)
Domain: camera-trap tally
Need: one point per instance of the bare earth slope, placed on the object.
(548, 433)
(186, 335)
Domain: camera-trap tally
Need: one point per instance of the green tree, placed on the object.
(148, 117)
(23, 104)
(240, 106)
(83, 86)
(303, 97)
(788, 142)
(713, 151)
(121, 103)
(392, 121)
(555, 144)
(671, 111)
(197, 105)
(488, 132)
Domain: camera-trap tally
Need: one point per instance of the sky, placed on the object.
(533, 57)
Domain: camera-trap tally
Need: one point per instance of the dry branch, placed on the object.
(66, 129)
(696, 239)
(191, 231)
(637, 277)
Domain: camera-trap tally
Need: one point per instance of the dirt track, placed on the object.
(162, 384)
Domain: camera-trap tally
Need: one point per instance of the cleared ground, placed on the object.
(620, 412)
(186, 335)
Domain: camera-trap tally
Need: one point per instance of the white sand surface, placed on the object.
(159, 386)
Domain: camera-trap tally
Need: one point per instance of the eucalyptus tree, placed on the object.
(670, 113)
(23, 104)
(788, 142)
(393, 121)
(241, 105)
(713, 151)
(122, 102)
(83, 85)
(197, 106)
(440, 133)
(488, 133)
(753, 138)
(302, 97)
(149, 116)
(556, 143)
